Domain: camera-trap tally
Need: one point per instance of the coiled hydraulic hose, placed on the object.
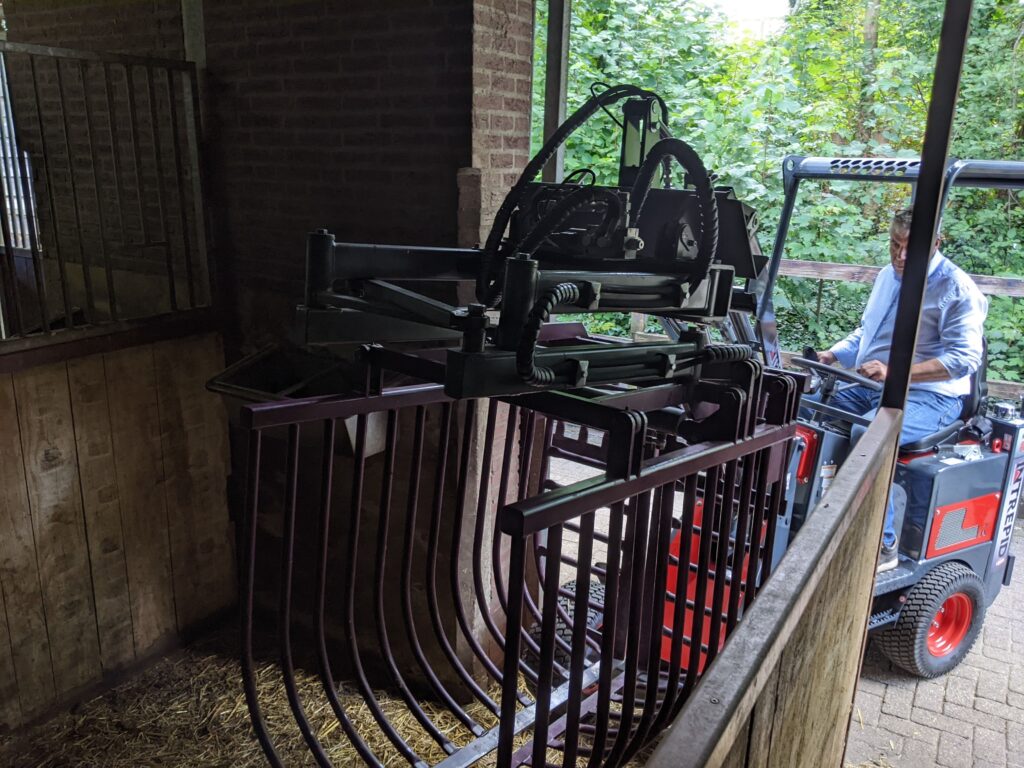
(727, 353)
(563, 293)
(488, 281)
(707, 206)
(565, 208)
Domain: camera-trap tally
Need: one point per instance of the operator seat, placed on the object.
(974, 404)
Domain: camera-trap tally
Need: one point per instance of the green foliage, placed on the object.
(838, 80)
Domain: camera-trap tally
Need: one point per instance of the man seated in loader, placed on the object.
(949, 350)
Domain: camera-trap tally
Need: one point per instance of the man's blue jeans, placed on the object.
(926, 412)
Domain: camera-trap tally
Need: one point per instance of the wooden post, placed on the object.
(556, 77)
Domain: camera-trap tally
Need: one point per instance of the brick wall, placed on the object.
(140, 27)
(354, 117)
(502, 72)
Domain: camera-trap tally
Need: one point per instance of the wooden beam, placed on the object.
(556, 72)
(193, 32)
(857, 273)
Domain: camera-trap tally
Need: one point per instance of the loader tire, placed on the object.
(563, 630)
(939, 622)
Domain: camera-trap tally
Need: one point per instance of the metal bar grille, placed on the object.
(490, 595)
(101, 195)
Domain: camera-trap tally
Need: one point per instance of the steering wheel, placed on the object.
(825, 408)
(840, 373)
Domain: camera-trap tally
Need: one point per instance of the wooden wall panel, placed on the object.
(102, 505)
(10, 706)
(19, 573)
(55, 500)
(195, 452)
(135, 429)
(114, 527)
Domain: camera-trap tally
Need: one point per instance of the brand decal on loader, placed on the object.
(1008, 512)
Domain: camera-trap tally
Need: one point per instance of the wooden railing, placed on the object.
(781, 691)
(858, 273)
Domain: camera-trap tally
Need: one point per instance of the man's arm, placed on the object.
(926, 370)
(963, 333)
(844, 352)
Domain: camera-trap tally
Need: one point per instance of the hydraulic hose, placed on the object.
(727, 353)
(707, 206)
(488, 281)
(565, 208)
(563, 293)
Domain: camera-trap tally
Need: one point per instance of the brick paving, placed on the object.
(971, 718)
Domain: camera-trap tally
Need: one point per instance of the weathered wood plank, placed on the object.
(10, 706)
(135, 431)
(193, 437)
(101, 503)
(54, 493)
(860, 273)
(818, 668)
(762, 720)
(19, 571)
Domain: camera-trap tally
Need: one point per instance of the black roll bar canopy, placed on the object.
(990, 174)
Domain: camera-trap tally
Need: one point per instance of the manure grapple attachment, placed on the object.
(530, 555)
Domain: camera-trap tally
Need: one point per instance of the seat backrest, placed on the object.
(975, 402)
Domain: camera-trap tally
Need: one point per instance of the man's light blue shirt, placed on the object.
(952, 326)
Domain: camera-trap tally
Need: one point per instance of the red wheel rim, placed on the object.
(950, 625)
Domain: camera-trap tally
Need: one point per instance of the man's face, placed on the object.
(898, 249)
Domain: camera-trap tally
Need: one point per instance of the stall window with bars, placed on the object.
(102, 222)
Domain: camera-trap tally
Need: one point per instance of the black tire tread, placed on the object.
(905, 646)
(563, 629)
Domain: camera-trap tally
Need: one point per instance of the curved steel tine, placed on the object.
(455, 561)
(579, 636)
(320, 627)
(407, 557)
(507, 721)
(604, 690)
(723, 530)
(383, 523)
(707, 525)
(352, 638)
(678, 629)
(637, 568)
(760, 502)
(778, 494)
(547, 652)
(740, 560)
(432, 548)
(248, 583)
(285, 601)
(511, 430)
(478, 536)
(654, 616)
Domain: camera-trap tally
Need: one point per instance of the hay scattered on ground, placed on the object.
(189, 710)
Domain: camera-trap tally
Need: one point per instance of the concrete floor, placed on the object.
(971, 718)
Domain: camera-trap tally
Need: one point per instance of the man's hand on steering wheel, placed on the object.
(828, 357)
(874, 370)
(851, 377)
